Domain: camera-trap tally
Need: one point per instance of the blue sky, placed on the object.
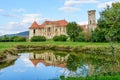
(18, 15)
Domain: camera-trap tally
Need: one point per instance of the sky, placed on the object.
(18, 15)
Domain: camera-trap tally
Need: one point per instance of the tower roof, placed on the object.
(34, 25)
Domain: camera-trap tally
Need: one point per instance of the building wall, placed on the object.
(49, 31)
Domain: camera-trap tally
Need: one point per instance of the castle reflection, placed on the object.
(48, 58)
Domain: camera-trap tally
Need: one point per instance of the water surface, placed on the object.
(49, 65)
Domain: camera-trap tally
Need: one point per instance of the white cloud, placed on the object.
(1, 10)
(23, 25)
(12, 15)
(19, 10)
(68, 9)
(71, 5)
(75, 2)
(105, 4)
(29, 18)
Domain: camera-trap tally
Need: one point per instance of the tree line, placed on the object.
(12, 39)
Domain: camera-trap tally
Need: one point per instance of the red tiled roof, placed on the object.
(36, 61)
(34, 25)
(59, 23)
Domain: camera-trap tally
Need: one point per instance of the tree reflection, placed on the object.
(93, 64)
(73, 62)
(6, 63)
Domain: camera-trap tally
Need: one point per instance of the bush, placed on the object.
(60, 38)
(81, 37)
(56, 38)
(38, 38)
(19, 39)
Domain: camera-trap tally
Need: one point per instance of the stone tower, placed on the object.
(92, 20)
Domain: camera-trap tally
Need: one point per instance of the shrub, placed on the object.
(19, 39)
(81, 37)
(60, 38)
(56, 38)
(38, 38)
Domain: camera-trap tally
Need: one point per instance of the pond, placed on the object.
(50, 65)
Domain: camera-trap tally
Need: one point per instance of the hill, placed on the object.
(24, 34)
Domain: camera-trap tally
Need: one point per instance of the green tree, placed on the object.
(73, 31)
(110, 21)
(98, 35)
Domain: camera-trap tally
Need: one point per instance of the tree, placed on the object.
(73, 31)
(98, 35)
(110, 21)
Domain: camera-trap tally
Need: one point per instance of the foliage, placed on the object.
(12, 39)
(56, 38)
(73, 31)
(98, 35)
(81, 37)
(60, 38)
(116, 77)
(19, 39)
(109, 23)
(38, 38)
(73, 62)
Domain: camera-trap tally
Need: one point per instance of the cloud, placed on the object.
(22, 25)
(105, 4)
(77, 2)
(71, 5)
(68, 9)
(1, 10)
(29, 18)
(11, 15)
(19, 10)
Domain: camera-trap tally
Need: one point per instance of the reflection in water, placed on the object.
(49, 65)
(48, 59)
(6, 63)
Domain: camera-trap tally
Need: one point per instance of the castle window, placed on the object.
(55, 30)
(48, 29)
(90, 21)
(60, 29)
(34, 31)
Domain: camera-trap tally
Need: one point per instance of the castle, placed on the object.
(49, 29)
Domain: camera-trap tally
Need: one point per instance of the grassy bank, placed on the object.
(115, 77)
(85, 47)
(8, 45)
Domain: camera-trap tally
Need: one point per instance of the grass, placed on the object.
(115, 77)
(8, 45)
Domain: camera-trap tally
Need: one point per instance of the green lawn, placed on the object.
(8, 45)
(115, 77)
